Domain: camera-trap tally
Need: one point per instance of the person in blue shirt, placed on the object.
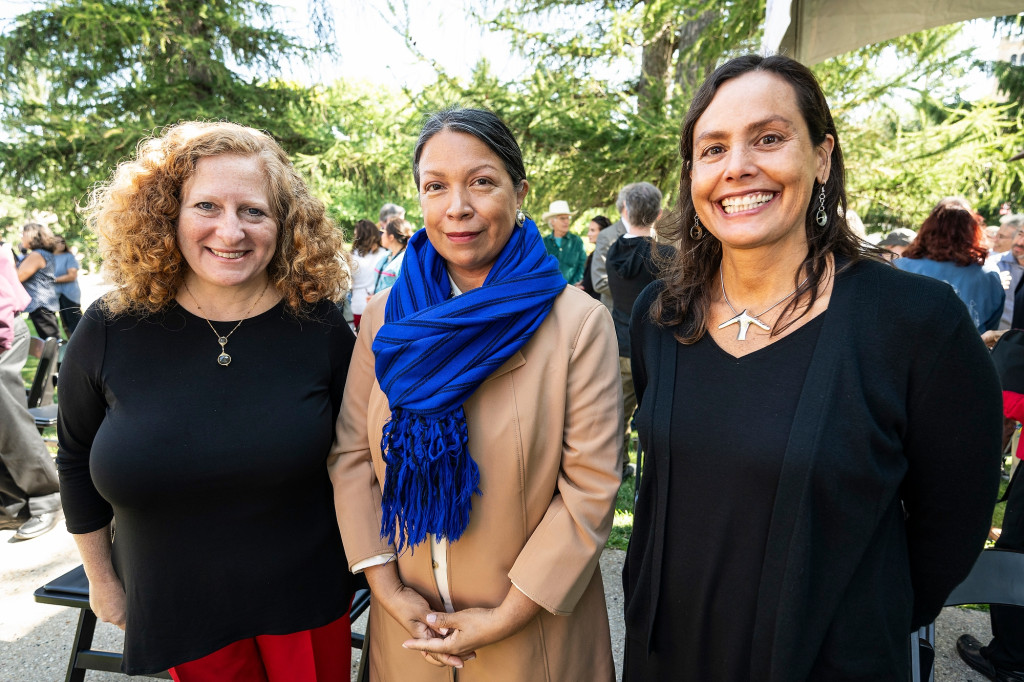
(69, 295)
(950, 246)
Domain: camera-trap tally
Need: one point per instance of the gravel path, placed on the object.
(35, 638)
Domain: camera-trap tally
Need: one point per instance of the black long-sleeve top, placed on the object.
(885, 490)
(215, 475)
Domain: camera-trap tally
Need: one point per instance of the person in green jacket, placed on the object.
(563, 244)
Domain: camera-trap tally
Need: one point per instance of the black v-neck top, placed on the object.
(722, 488)
(899, 412)
(215, 475)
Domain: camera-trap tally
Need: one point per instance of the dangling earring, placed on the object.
(821, 216)
(520, 217)
(696, 230)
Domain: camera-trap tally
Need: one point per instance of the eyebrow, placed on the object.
(474, 169)
(751, 127)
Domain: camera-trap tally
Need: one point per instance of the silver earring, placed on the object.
(696, 230)
(821, 216)
(520, 217)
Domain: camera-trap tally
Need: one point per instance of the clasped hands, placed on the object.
(451, 639)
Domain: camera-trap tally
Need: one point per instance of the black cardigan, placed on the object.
(886, 489)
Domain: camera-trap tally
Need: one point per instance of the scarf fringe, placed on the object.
(430, 478)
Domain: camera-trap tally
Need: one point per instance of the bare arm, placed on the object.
(70, 276)
(106, 593)
(32, 263)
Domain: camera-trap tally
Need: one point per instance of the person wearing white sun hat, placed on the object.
(563, 244)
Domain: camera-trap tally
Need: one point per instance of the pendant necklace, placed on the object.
(743, 319)
(223, 359)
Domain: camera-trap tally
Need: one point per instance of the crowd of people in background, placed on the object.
(775, 365)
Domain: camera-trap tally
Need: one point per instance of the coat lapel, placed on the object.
(662, 437)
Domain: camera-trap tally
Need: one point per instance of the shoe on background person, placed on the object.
(969, 649)
(37, 525)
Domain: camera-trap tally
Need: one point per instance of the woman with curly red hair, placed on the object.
(951, 246)
(197, 406)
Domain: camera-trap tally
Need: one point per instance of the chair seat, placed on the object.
(44, 416)
(994, 579)
(70, 589)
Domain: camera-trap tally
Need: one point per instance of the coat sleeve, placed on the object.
(598, 265)
(579, 517)
(357, 492)
(953, 434)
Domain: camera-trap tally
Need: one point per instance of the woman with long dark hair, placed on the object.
(950, 247)
(807, 413)
(366, 252)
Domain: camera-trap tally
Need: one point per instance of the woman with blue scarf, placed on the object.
(477, 458)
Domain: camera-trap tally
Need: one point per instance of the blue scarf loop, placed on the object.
(431, 353)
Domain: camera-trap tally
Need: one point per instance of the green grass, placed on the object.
(622, 526)
(997, 513)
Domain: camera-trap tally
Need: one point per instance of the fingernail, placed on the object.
(405, 646)
(431, 618)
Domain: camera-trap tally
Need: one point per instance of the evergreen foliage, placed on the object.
(85, 80)
(601, 106)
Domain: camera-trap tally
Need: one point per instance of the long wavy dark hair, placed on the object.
(690, 274)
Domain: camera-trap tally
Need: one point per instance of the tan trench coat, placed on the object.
(544, 430)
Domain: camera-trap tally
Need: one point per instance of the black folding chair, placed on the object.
(72, 589)
(997, 578)
(40, 396)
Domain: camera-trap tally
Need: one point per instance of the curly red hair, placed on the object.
(950, 233)
(136, 213)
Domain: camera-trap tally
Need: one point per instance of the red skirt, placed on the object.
(322, 654)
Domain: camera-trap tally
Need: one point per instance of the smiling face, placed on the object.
(469, 204)
(754, 164)
(225, 230)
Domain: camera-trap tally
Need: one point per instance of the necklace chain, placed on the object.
(223, 359)
(743, 319)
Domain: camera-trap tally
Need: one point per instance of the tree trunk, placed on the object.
(655, 60)
(689, 72)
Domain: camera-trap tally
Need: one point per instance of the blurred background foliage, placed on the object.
(610, 81)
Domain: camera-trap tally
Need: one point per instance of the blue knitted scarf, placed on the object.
(431, 353)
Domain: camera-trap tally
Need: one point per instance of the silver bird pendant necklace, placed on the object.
(743, 319)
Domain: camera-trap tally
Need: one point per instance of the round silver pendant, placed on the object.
(821, 217)
(223, 359)
(222, 341)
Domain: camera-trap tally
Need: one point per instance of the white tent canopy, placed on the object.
(812, 31)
